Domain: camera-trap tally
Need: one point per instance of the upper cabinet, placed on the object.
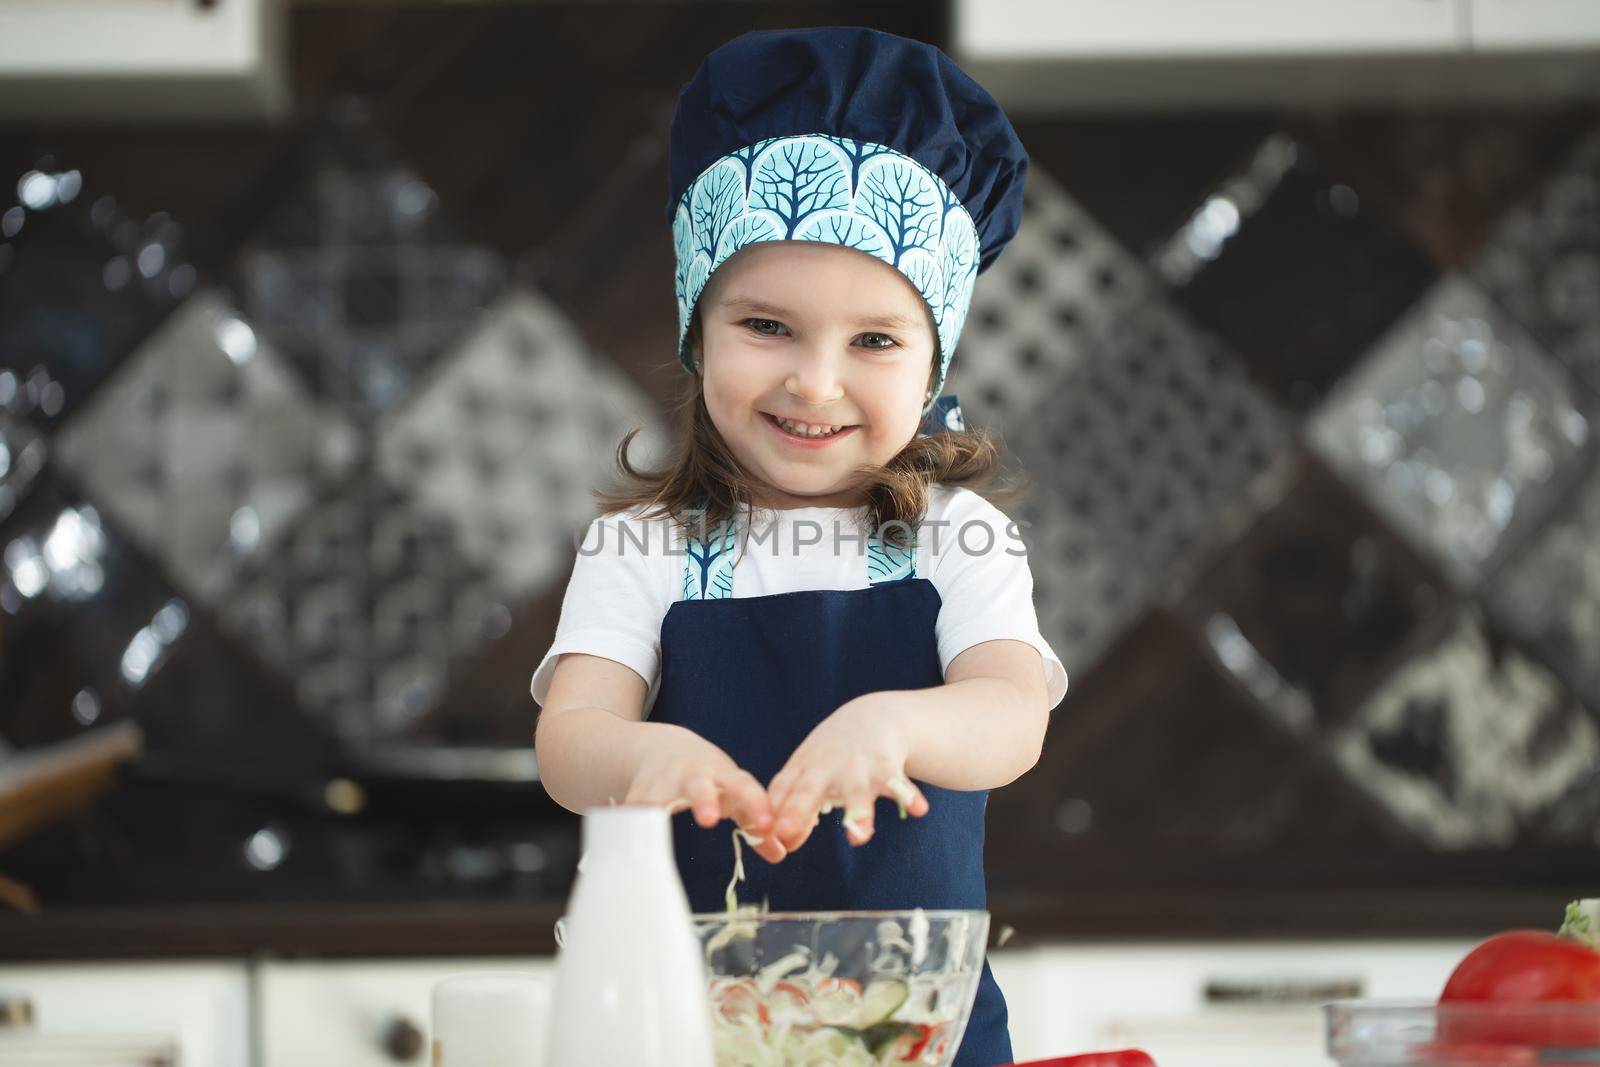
(1042, 57)
(1524, 24)
(1110, 28)
(170, 58)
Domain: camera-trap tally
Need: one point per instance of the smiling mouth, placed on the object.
(808, 431)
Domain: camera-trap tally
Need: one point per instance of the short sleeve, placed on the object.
(614, 603)
(980, 568)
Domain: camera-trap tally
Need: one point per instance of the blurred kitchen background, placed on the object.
(319, 321)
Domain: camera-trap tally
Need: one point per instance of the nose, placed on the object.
(815, 377)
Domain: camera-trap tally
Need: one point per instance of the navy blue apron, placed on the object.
(754, 675)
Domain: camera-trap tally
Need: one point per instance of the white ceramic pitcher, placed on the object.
(630, 982)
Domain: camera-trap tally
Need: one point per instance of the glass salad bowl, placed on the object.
(841, 989)
(1390, 1033)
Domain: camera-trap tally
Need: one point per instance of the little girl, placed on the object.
(808, 608)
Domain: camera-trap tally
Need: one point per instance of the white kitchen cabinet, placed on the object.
(1046, 58)
(1521, 24)
(1073, 999)
(111, 58)
(345, 1013)
(1062, 998)
(1103, 29)
(201, 1008)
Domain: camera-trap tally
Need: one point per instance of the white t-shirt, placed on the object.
(629, 572)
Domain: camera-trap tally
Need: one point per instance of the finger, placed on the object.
(778, 789)
(904, 791)
(744, 801)
(859, 800)
(704, 801)
(768, 848)
(798, 816)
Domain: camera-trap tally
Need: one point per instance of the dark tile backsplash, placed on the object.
(296, 425)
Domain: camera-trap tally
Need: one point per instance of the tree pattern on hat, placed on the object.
(837, 191)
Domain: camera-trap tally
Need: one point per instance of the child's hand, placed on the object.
(852, 758)
(681, 769)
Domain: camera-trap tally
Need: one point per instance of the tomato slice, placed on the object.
(736, 999)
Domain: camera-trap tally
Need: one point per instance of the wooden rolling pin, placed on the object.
(39, 784)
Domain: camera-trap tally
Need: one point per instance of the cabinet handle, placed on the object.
(1281, 991)
(16, 1011)
(402, 1040)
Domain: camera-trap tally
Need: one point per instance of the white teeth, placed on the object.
(803, 429)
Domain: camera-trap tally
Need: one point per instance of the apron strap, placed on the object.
(708, 563)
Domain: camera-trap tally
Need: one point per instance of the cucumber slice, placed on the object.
(844, 1005)
(880, 1001)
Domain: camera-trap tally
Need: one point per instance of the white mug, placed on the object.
(490, 1020)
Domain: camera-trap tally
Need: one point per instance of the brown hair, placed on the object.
(702, 483)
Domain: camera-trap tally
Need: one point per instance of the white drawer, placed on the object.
(1073, 999)
(340, 1014)
(201, 1008)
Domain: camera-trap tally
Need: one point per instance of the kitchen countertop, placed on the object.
(476, 927)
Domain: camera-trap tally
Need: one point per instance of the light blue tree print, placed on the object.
(949, 202)
(958, 263)
(683, 249)
(834, 190)
(708, 565)
(699, 271)
(902, 200)
(747, 157)
(858, 154)
(717, 201)
(889, 562)
(797, 179)
(843, 228)
(923, 271)
(748, 230)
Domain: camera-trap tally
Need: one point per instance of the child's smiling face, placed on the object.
(822, 335)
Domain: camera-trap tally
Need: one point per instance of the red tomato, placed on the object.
(735, 999)
(1521, 986)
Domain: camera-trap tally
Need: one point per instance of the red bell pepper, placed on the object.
(1128, 1057)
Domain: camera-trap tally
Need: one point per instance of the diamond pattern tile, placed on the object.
(364, 602)
(355, 275)
(80, 283)
(1542, 262)
(1458, 428)
(87, 620)
(506, 441)
(1472, 743)
(205, 445)
(1445, 178)
(23, 451)
(1121, 169)
(1316, 601)
(1038, 309)
(1134, 452)
(1236, 793)
(1549, 593)
(1296, 275)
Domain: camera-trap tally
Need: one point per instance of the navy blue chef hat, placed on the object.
(853, 137)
